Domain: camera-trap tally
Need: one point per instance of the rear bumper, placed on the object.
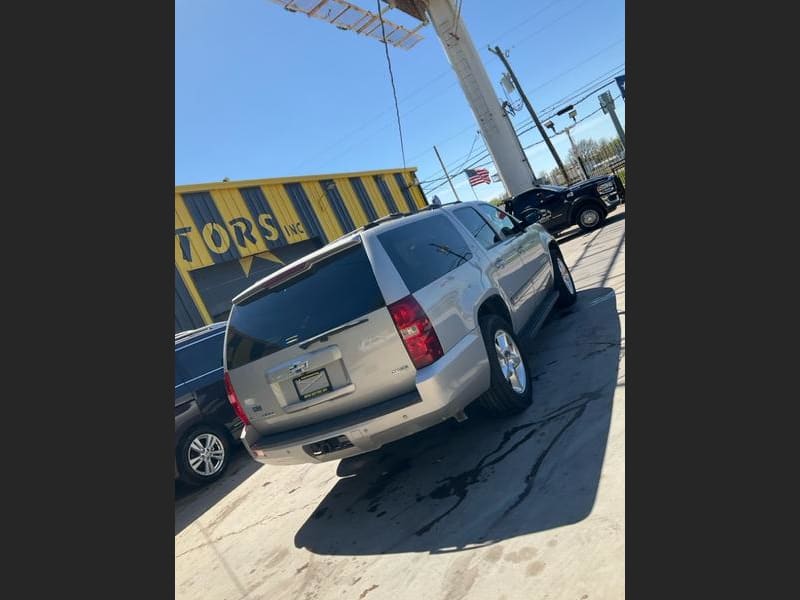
(442, 390)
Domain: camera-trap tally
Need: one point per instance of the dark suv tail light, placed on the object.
(234, 400)
(416, 330)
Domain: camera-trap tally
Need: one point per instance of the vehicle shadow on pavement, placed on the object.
(575, 232)
(456, 486)
(191, 502)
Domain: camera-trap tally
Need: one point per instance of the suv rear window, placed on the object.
(334, 291)
(425, 250)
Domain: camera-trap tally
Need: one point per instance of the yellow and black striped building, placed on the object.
(230, 234)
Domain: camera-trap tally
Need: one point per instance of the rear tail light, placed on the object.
(234, 400)
(415, 329)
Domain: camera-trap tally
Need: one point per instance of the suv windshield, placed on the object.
(332, 292)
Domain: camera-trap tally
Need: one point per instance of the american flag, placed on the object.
(477, 176)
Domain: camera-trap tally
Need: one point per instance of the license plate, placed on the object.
(313, 384)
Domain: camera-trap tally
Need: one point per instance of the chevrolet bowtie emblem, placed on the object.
(298, 368)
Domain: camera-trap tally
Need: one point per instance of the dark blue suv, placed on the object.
(206, 425)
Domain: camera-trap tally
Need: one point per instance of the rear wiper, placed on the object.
(323, 337)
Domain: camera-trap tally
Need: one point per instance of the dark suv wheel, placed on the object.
(203, 455)
(510, 388)
(590, 216)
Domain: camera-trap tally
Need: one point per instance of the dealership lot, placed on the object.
(527, 507)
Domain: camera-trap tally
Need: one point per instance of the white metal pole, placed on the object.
(496, 128)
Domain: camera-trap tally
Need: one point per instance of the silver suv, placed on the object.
(390, 329)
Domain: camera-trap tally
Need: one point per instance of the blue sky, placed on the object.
(262, 92)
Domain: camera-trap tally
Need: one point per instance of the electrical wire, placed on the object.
(337, 145)
(523, 22)
(391, 79)
(554, 21)
(550, 108)
(480, 162)
(523, 125)
(458, 17)
(486, 163)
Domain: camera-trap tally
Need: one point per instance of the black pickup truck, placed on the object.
(585, 204)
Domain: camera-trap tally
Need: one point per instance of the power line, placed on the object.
(391, 78)
(551, 113)
(610, 73)
(556, 20)
(337, 145)
(478, 160)
(523, 22)
(583, 62)
(563, 100)
(458, 16)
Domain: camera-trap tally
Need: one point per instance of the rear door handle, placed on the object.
(499, 263)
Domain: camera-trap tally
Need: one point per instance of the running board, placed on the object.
(538, 319)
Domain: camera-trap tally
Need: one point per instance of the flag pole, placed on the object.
(446, 174)
(472, 187)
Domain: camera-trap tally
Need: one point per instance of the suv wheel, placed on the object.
(590, 217)
(203, 455)
(567, 294)
(510, 388)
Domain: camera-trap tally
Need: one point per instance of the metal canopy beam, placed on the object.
(349, 17)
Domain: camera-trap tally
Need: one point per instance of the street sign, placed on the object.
(621, 84)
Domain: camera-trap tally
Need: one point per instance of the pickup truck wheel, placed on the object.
(567, 294)
(510, 387)
(590, 217)
(203, 455)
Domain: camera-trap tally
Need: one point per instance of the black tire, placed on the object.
(209, 436)
(501, 399)
(590, 217)
(567, 293)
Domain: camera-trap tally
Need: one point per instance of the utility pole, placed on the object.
(607, 104)
(577, 154)
(496, 50)
(446, 174)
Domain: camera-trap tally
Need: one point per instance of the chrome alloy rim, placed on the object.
(565, 275)
(589, 217)
(510, 359)
(206, 454)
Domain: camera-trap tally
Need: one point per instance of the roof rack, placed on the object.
(389, 217)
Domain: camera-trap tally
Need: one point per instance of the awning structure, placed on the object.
(349, 17)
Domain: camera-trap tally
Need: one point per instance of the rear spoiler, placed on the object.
(294, 269)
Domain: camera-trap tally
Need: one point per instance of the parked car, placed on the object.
(206, 426)
(389, 330)
(585, 204)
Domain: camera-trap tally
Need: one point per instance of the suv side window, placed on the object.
(499, 219)
(425, 250)
(199, 358)
(477, 226)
